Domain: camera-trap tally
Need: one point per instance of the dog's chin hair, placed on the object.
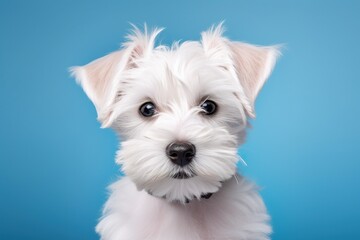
(182, 190)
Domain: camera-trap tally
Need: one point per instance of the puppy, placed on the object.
(181, 112)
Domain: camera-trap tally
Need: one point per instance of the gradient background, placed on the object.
(303, 150)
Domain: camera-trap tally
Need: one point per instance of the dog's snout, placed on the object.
(181, 153)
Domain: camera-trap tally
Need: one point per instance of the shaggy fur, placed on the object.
(149, 203)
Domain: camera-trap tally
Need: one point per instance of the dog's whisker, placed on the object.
(236, 179)
(242, 160)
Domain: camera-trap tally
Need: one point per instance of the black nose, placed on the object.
(180, 153)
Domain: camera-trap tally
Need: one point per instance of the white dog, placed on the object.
(181, 112)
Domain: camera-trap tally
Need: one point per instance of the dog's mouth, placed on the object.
(182, 175)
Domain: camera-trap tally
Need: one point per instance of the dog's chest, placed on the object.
(133, 215)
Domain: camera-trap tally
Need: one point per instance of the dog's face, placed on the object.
(180, 111)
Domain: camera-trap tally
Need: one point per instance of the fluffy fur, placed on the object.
(149, 203)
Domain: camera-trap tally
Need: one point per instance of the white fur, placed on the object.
(177, 80)
(235, 212)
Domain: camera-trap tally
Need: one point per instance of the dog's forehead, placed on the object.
(180, 60)
(179, 73)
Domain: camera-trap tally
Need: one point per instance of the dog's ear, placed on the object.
(253, 65)
(250, 64)
(101, 79)
(97, 78)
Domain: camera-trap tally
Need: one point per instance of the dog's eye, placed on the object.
(148, 109)
(209, 107)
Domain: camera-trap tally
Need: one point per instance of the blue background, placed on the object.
(303, 149)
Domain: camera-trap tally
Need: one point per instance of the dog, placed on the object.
(182, 112)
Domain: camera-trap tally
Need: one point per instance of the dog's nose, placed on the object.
(181, 153)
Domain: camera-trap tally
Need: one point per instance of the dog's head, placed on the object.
(181, 111)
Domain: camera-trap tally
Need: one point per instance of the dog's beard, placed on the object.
(144, 160)
(183, 190)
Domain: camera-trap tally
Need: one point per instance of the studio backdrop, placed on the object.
(302, 149)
